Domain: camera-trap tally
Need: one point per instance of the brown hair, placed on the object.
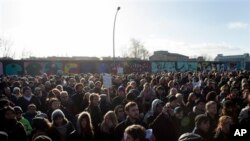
(129, 105)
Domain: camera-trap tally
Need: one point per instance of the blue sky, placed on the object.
(84, 28)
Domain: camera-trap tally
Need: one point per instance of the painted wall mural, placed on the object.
(13, 68)
(33, 68)
(71, 67)
(51, 68)
(19, 67)
(163, 66)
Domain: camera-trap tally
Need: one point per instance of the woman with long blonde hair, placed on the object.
(223, 128)
(107, 126)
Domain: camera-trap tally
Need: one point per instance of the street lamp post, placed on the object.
(118, 8)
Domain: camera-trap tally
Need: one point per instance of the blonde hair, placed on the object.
(112, 116)
(222, 122)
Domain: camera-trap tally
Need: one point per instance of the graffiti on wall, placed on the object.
(103, 67)
(88, 67)
(186, 66)
(247, 66)
(13, 68)
(162, 66)
(33, 68)
(136, 66)
(71, 67)
(51, 68)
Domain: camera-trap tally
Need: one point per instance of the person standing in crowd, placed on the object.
(27, 99)
(119, 98)
(94, 110)
(202, 126)
(223, 129)
(135, 133)
(40, 126)
(244, 116)
(11, 126)
(120, 114)
(70, 86)
(106, 130)
(60, 127)
(133, 117)
(78, 104)
(163, 126)
(155, 110)
(84, 129)
(26, 124)
(212, 114)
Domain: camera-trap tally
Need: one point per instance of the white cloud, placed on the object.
(237, 25)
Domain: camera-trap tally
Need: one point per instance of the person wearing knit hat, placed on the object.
(42, 138)
(24, 121)
(60, 127)
(190, 137)
(202, 125)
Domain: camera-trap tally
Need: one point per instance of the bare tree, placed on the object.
(26, 53)
(6, 48)
(137, 50)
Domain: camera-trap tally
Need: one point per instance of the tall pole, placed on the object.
(118, 8)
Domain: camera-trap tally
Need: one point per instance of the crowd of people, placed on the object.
(166, 106)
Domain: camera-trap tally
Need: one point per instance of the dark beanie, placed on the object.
(190, 137)
(42, 138)
(201, 118)
(57, 113)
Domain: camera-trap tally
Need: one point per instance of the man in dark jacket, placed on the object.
(163, 126)
(132, 112)
(27, 99)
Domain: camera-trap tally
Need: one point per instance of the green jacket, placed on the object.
(26, 124)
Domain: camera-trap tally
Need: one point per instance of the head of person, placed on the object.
(58, 118)
(84, 123)
(38, 92)
(190, 137)
(54, 103)
(121, 91)
(64, 96)
(132, 110)
(9, 113)
(71, 82)
(119, 112)
(178, 112)
(202, 123)
(211, 108)
(200, 104)
(40, 123)
(42, 138)
(18, 111)
(173, 101)
(157, 106)
(109, 120)
(27, 91)
(16, 90)
(59, 87)
(79, 87)
(167, 110)
(224, 124)
(94, 99)
(98, 84)
(135, 133)
(31, 109)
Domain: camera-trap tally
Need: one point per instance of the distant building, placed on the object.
(167, 56)
(234, 58)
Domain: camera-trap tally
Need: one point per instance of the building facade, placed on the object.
(167, 56)
(234, 58)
